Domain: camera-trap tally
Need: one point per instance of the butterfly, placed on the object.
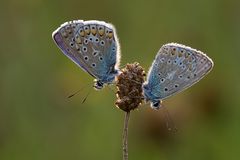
(175, 68)
(93, 46)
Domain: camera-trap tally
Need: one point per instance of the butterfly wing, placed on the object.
(92, 45)
(175, 68)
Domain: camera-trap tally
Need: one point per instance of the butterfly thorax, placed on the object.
(106, 80)
(149, 96)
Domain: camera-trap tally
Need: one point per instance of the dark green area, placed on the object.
(38, 122)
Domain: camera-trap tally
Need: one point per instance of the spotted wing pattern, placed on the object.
(175, 68)
(92, 45)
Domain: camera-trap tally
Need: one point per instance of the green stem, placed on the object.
(125, 136)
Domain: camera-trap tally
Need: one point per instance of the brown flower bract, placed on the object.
(129, 87)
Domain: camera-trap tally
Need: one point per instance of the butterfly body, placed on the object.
(176, 67)
(93, 46)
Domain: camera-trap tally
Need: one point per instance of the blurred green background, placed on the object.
(38, 122)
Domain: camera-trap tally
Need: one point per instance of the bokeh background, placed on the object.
(38, 122)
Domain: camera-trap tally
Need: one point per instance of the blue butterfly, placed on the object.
(93, 46)
(175, 68)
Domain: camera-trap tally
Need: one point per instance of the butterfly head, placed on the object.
(98, 84)
(156, 104)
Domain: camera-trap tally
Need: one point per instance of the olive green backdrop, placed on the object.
(38, 122)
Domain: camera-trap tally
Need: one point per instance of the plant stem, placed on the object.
(125, 136)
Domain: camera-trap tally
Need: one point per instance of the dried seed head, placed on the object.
(129, 87)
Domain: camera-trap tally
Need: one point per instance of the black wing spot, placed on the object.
(95, 53)
(102, 43)
(86, 58)
(84, 49)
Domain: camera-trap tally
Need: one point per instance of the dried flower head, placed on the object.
(129, 87)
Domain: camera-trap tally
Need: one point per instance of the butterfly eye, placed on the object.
(156, 104)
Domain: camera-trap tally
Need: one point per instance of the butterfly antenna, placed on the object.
(85, 98)
(169, 121)
(70, 96)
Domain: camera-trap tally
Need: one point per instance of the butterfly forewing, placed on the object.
(92, 45)
(175, 68)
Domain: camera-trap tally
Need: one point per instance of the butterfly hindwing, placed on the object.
(92, 45)
(175, 68)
